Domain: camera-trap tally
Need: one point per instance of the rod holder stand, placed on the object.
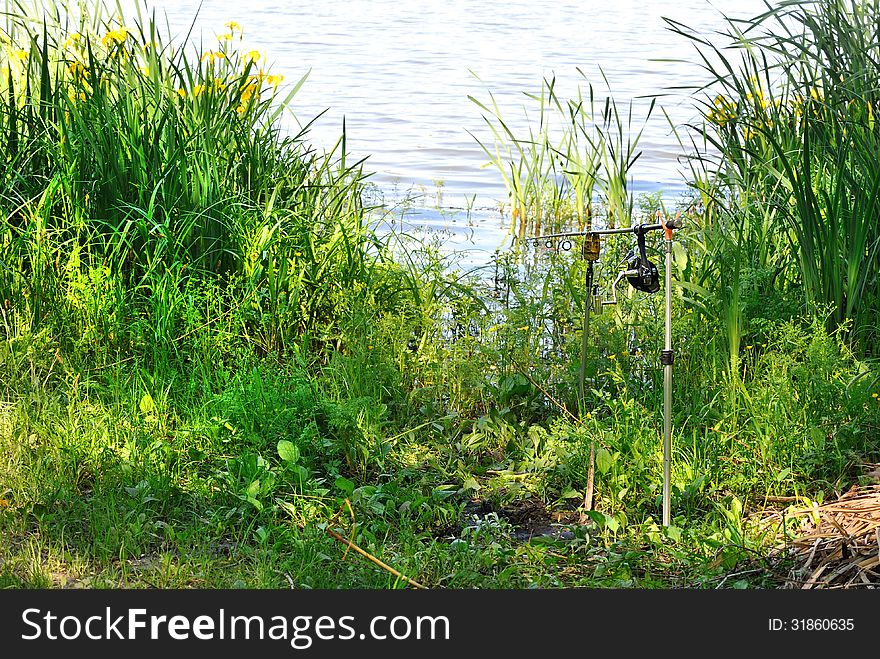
(642, 276)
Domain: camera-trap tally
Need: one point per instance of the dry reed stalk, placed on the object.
(844, 536)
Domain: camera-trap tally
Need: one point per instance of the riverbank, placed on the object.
(217, 360)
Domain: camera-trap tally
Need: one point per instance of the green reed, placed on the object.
(791, 113)
(573, 156)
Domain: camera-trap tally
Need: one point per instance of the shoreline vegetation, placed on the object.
(217, 372)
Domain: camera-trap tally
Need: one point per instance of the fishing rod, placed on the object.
(674, 223)
(642, 275)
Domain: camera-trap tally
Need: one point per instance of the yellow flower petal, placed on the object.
(211, 55)
(275, 80)
(114, 37)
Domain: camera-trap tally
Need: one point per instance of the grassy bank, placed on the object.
(210, 356)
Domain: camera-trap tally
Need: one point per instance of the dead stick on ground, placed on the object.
(588, 493)
(550, 397)
(781, 499)
(348, 543)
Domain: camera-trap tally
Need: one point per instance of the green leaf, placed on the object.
(673, 532)
(292, 510)
(736, 508)
(443, 492)
(679, 254)
(471, 483)
(603, 460)
(253, 489)
(288, 451)
(345, 485)
(612, 523)
(147, 405)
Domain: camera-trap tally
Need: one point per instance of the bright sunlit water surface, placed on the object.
(400, 72)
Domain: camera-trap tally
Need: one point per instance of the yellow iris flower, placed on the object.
(72, 40)
(115, 37)
(211, 55)
(275, 80)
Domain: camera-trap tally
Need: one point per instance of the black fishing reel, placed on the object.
(642, 275)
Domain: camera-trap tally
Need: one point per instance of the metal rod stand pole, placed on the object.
(585, 337)
(667, 360)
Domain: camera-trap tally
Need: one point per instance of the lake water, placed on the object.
(399, 72)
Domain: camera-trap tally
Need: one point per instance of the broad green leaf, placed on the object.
(254, 488)
(673, 532)
(288, 451)
(345, 485)
(680, 255)
(736, 508)
(471, 483)
(612, 523)
(147, 405)
(604, 460)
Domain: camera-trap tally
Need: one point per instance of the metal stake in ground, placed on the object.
(666, 358)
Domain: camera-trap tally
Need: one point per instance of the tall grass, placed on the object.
(789, 115)
(148, 165)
